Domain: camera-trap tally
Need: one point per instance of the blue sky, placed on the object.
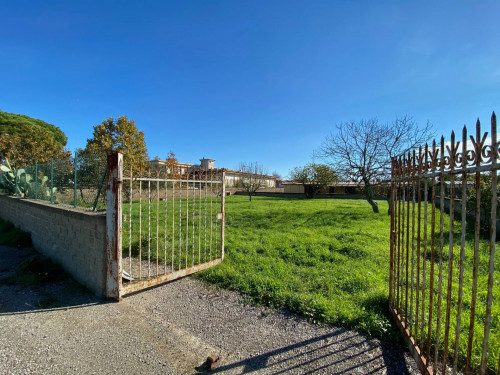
(248, 80)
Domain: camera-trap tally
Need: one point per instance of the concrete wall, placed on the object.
(293, 189)
(74, 239)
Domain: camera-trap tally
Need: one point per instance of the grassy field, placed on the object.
(329, 261)
(326, 260)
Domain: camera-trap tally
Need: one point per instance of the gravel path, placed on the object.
(171, 329)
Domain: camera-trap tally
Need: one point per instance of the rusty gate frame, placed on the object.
(115, 287)
(415, 175)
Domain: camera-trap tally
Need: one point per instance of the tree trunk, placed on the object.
(369, 197)
(250, 197)
(374, 206)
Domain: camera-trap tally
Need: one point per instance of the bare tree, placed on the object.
(361, 151)
(252, 178)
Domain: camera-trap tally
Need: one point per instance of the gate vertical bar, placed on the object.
(434, 161)
(165, 228)
(398, 268)
(187, 218)
(462, 249)
(477, 223)
(157, 218)
(392, 235)
(407, 261)
(491, 263)
(194, 215)
(442, 193)
(200, 176)
(141, 174)
(130, 223)
(412, 281)
(424, 265)
(452, 155)
(211, 210)
(419, 218)
(114, 226)
(149, 221)
(223, 212)
(173, 225)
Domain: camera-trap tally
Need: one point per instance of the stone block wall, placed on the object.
(74, 239)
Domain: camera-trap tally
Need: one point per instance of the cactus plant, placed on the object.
(17, 182)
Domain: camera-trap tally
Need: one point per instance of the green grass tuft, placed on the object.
(38, 271)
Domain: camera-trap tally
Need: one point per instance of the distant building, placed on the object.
(291, 187)
(207, 165)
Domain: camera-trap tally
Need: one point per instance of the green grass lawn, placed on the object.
(327, 260)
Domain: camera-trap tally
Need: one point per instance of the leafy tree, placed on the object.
(15, 124)
(314, 177)
(119, 135)
(252, 178)
(172, 167)
(21, 150)
(361, 151)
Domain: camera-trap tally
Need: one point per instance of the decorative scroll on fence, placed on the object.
(173, 224)
(444, 293)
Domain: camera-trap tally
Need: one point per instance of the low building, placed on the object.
(291, 187)
(208, 166)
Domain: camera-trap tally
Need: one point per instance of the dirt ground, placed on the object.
(60, 328)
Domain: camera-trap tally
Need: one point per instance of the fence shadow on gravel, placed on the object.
(338, 352)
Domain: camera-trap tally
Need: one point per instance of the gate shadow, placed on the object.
(339, 352)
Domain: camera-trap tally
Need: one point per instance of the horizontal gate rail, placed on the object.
(444, 293)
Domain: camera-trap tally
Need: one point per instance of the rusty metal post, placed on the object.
(392, 235)
(114, 227)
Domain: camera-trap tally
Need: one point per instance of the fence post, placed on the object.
(74, 190)
(223, 211)
(25, 181)
(114, 226)
(36, 181)
(16, 187)
(51, 180)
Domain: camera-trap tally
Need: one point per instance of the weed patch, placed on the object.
(38, 271)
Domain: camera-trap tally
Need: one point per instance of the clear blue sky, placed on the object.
(248, 80)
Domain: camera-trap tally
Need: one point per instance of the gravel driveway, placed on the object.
(171, 329)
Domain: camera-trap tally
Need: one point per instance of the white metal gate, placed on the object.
(173, 224)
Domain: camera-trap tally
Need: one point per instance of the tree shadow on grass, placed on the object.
(31, 283)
